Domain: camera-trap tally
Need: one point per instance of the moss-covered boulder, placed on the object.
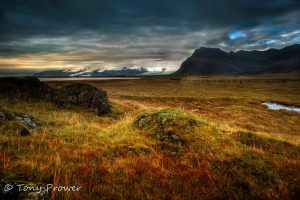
(172, 128)
(85, 95)
(26, 88)
(15, 123)
(78, 94)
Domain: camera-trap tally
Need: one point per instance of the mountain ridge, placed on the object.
(101, 72)
(214, 61)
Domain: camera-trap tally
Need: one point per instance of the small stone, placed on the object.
(175, 137)
(28, 121)
(2, 116)
(192, 123)
(24, 132)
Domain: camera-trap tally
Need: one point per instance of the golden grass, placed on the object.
(243, 151)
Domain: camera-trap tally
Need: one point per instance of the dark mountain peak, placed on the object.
(206, 51)
(214, 61)
(292, 47)
(272, 50)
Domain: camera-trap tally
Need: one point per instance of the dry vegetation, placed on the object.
(241, 150)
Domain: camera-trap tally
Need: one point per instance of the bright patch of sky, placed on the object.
(237, 35)
(270, 42)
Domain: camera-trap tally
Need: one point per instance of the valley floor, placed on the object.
(241, 151)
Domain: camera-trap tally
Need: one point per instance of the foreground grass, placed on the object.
(241, 151)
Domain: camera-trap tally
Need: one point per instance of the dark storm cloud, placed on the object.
(37, 17)
(127, 31)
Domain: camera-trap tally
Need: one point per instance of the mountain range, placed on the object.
(204, 61)
(101, 72)
(214, 61)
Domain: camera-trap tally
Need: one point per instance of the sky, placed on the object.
(37, 35)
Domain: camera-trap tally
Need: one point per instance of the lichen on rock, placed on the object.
(13, 123)
(170, 127)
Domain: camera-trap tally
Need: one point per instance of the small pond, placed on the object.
(277, 106)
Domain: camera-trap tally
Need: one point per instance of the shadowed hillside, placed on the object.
(213, 61)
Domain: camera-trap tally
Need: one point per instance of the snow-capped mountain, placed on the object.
(85, 71)
(103, 72)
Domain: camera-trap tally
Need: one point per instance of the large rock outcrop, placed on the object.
(84, 95)
(78, 94)
(25, 88)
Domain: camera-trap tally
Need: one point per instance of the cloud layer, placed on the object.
(38, 35)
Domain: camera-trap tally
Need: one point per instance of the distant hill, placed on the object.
(214, 61)
(55, 73)
(125, 71)
(101, 72)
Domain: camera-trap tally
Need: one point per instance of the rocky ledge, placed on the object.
(78, 94)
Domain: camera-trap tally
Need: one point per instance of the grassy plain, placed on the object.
(242, 150)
